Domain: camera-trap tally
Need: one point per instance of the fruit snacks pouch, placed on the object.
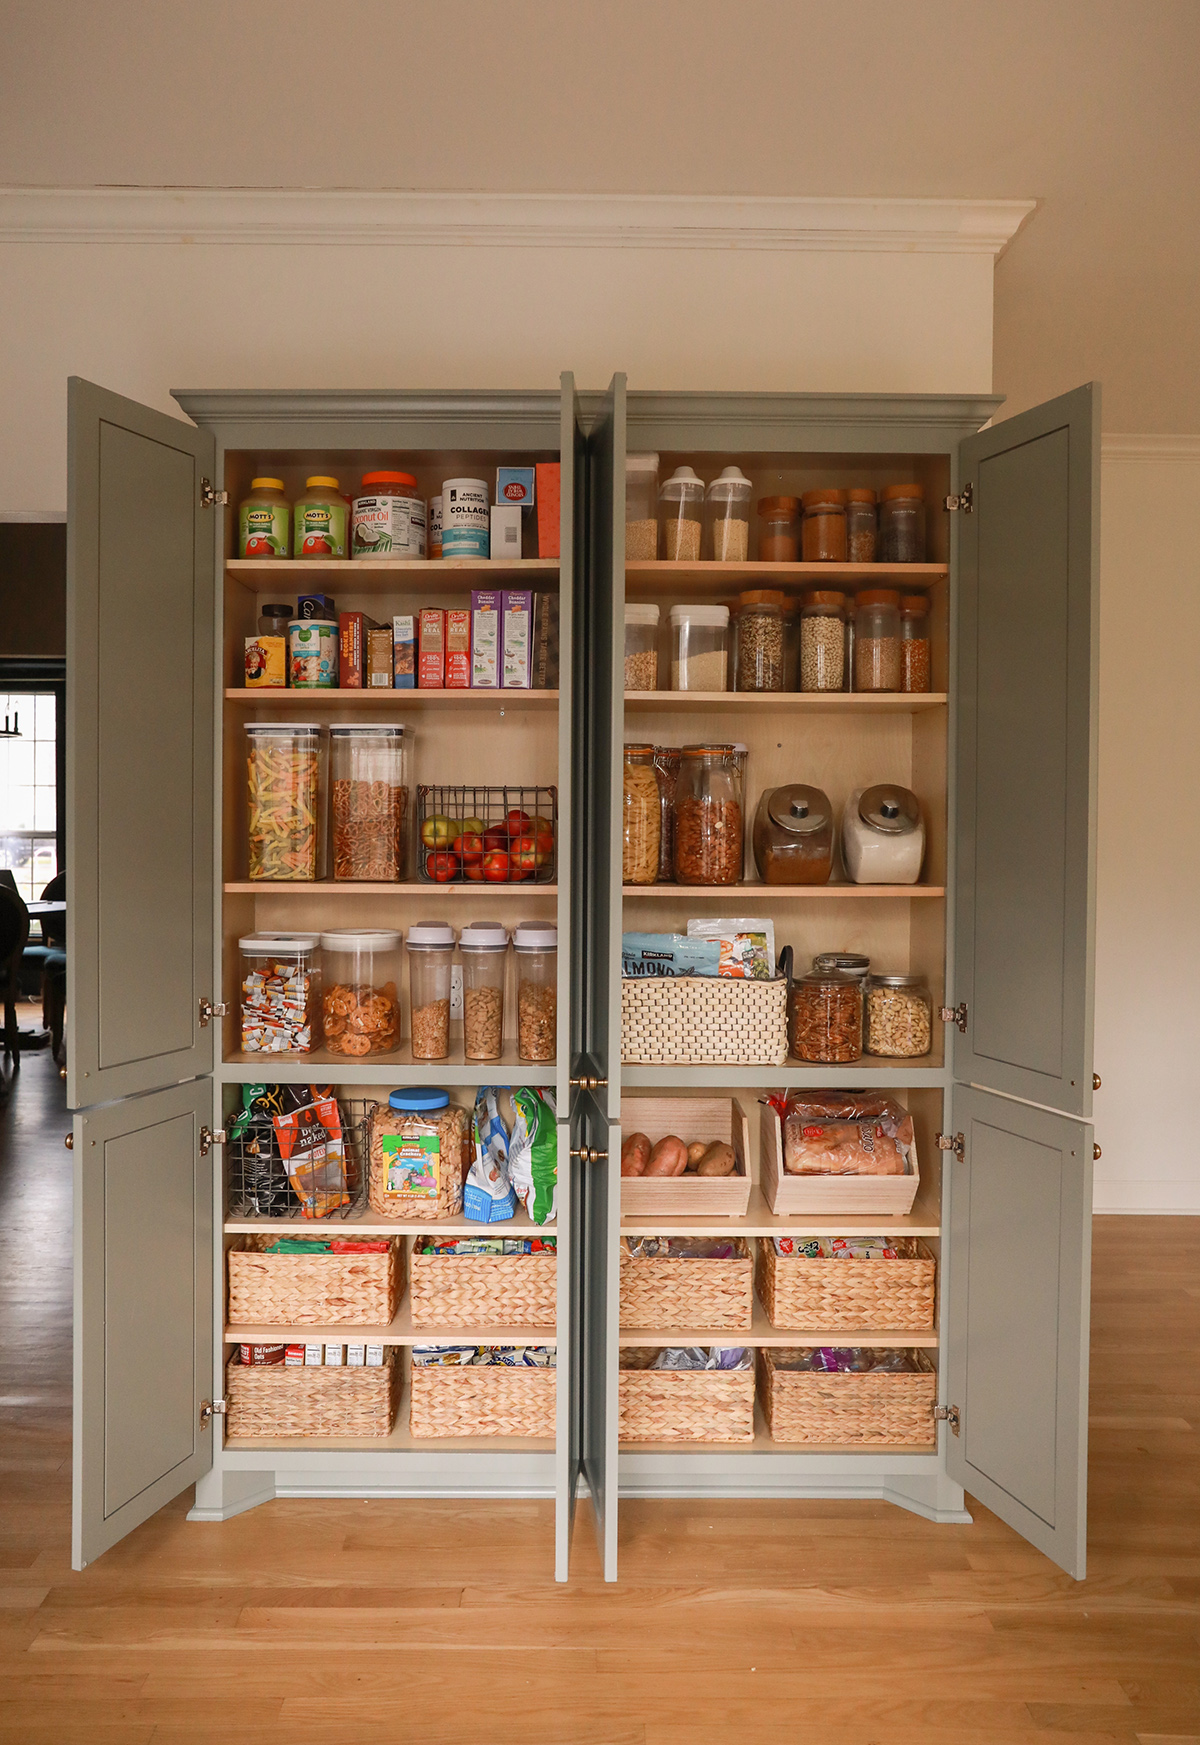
(533, 1152)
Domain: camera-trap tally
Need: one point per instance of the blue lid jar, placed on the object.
(418, 1099)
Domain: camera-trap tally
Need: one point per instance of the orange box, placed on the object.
(549, 492)
(458, 651)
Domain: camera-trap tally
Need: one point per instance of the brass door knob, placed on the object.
(1097, 1154)
(69, 1142)
(1095, 1081)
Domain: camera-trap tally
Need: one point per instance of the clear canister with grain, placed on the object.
(862, 525)
(430, 960)
(699, 648)
(823, 618)
(759, 664)
(484, 948)
(681, 515)
(915, 663)
(877, 640)
(728, 515)
(898, 1023)
(641, 645)
(708, 817)
(825, 1017)
(641, 508)
(285, 766)
(370, 802)
(536, 949)
(823, 527)
(902, 524)
(641, 817)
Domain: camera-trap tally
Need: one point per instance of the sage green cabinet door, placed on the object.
(1028, 556)
(140, 686)
(1018, 1276)
(143, 1312)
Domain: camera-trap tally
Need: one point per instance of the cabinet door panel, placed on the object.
(1019, 1271)
(143, 1310)
(1025, 881)
(140, 687)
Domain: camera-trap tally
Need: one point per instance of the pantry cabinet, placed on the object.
(1000, 752)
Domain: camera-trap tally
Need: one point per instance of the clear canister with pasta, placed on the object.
(285, 766)
(369, 779)
(641, 817)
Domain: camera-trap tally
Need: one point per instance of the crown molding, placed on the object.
(1149, 448)
(291, 216)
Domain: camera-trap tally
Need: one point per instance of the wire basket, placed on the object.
(258, 1178)
(492, 808)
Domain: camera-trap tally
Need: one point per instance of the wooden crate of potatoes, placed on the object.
(313, 1290)
(482, 1290)
(690, 1405)
(482, 1400)
(829, 1292)
(718, 1125)
(274, 1400)
(665, 1292)
(871, 1410)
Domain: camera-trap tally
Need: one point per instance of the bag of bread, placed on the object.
(845, 1133)
(419, 1154)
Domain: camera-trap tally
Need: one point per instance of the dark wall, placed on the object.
(33, 589)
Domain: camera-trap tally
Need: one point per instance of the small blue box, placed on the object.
(514, 486)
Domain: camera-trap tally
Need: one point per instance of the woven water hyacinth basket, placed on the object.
(682, 1405)
(703, 1020)
(489, 1290)
(482, 1400)
(662, 1292)
(274, 1400)
(799, 1292)
(312, 1290)
(869, 1411)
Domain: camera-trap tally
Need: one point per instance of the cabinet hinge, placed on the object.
(210, 499)
(955, 1142)
(209, 1011)
(964, 501)
(947, 1415)
(955, 1015)
(210, 1136)
(210, 1409)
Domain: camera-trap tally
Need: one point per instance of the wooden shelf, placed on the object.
(364, 1222)
(388, 575)
(720, 580)
(801, 702)
(759, 1220)
(759, 892)
(886, 1074)
(253, 697)
(349, 888)
(399, 1440)
(763, 1334)
(401, 1332)
(763, 1443)
(397, 1068)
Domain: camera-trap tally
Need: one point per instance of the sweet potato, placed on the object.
(635, 1153)
(669, 1157)
(717, 1160)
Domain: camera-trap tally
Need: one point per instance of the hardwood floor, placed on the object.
(330, 1623)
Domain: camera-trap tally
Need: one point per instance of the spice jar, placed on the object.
(877, 640)
(898, 1023)
(680, 512)
(286, 793)
(641, 821)
(793, 836)
(320, 520)
(861, 525)
(281, 993)
(430, 954)
(883, 836)
(823, 527)
(728, 505)
(641, 646)
(360, 1007)
(708, 817)
(759, 664)
(666, 770)
(484, 947)
(537, 991)
(914, 642)
(388, 519)
(265, 521)
(778, 529)
(641, 511)
(370, 802)
(699, 643)
(902, 524)
(825, 1017)
(823, 641)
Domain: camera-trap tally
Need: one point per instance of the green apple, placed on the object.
(437, 831)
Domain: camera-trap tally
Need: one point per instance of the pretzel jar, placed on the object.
(370, 802)
(285, 766)
(360, 1004)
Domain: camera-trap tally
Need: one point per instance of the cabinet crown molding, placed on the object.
(306, 217)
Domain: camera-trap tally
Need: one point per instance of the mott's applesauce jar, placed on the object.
(321, 519)
(388, 519)
(466, 519)
(265, 521)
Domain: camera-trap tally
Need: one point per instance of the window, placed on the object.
(29, 797)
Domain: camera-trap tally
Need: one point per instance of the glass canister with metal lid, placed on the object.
(793, 836)
(825, 1017)
(641, 817)
(898, 1017)
(883, 836)
(708, 817)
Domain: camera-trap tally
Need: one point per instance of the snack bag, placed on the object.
(488, 1196)
(533, 1152)
(310, 1142)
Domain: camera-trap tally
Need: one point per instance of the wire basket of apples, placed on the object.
(496, 836)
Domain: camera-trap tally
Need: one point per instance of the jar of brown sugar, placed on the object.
(823, 527)
(778, 529)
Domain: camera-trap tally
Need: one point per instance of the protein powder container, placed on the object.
(388, 520)
(466, 519)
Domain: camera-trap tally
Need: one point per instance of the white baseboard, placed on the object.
(1148, 1199)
